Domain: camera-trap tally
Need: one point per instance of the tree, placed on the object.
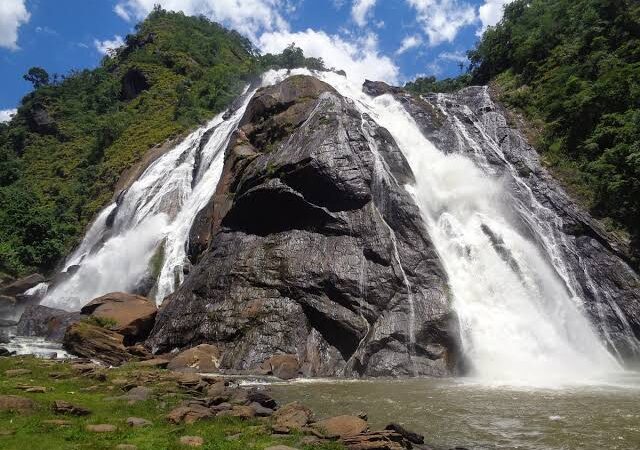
(37, 76)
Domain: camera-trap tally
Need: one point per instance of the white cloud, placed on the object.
(7, 114)
(13, 13)
(107, 46)
(248, 17)
(491, 12)
(358, 57)
(442, 19)
(453, 56)
(360, 11)
(408, 43)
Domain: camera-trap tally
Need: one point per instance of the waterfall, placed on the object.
(139, 243)
(519, 317)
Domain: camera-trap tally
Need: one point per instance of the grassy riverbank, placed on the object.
(29, 428)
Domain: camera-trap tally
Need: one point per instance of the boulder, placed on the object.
(377, 88)
(291, 417)
(16, 403)
(191, 441)
(285, 367)
(63, 407)
(410, 436)
(49, 323)
(133, 314)
(376, 440)
(22, 285)
(328, 277)
(189, 414)
(101, 428)
(94, 342)
(262, 398)
(340, 426)
(7, 306)
(202, 358)
(137, 422)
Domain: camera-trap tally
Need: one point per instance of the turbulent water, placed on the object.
(459, 412)
(520, 320)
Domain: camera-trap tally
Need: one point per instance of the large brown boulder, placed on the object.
(134, 315)
(291, 417)
(201, 358)
(285, 367)
(341, 426)
(92, 341)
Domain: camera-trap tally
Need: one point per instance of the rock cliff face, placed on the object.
(591, 261)
(315, 249)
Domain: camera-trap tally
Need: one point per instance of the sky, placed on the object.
(390, 40)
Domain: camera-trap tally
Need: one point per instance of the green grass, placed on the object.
(29, 433)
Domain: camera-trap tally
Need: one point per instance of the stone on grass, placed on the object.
(101, 428)
(16, 403)
(36, 389)
(192, 441)
(16, 372)
(63, 407)
(280, 447)
(126, 447)
(57, 422)
(291, 417)
(189, 414)
(341, 426)
(137, 422)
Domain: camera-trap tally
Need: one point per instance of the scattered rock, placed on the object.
(16, 372)
(5, 352)
(260, 410)
(284, 367)
(202, 358)
(16, 403)
(137, 422)
(242, 412)
(101, 428)
(341, 426)
(57, 422)
(291, 417)
(410, 436)
(159, 363)
(36, 389)
(91, 341)
(126, 447)
(192, 441)
(135, 395)
(262, 398)
(134, 315)
(280, 447)
(376, 440)
(189, 414)
(63, 407)
(216, 389)
(21, 285)
(49, 323)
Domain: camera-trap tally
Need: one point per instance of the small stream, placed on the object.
(459, 412)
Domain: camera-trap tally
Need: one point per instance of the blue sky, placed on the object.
(391, 40)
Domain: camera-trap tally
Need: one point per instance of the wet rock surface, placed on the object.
(316, 251)
(45, 322)
(471, 123)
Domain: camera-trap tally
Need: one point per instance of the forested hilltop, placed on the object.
(72, 137)
(573, 68)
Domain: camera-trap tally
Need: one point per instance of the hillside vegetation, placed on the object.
(573, 68)
(72, 137)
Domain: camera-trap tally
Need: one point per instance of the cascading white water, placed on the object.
(519, 320)
(152, 220)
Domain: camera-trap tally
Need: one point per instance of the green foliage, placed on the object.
(574, 66)
(37, 76)
(63, 152)
(424, 85)
(290, 58)
(102, 322)
(31, 430)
